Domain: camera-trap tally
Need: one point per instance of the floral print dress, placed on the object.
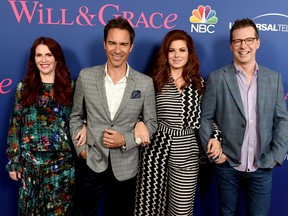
(39, 146)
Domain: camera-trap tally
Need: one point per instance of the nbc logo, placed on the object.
(203, 19)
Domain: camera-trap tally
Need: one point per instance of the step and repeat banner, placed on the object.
(78, 26)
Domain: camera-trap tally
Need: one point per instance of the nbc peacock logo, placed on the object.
(203, 19)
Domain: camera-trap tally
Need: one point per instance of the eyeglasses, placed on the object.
(248, 41)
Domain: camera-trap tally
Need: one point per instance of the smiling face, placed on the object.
(178, 55)
(45, 62)
(244, 54)
(117, 47)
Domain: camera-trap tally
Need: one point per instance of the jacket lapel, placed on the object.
(232, 84)
(100, 84)
(262, 83)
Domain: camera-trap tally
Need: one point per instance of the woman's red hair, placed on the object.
(161, 69)
(63, 92)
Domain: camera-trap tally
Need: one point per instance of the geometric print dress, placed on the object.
(168, 171)
(39, 146)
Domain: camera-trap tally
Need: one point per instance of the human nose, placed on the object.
(117, 48)
(176, 54)
(243, 43)
(44, 58)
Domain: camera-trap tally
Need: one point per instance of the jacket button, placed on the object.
(243, 126)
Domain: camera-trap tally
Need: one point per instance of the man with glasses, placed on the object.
(247, 102)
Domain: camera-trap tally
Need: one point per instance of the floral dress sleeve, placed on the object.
(13, 150)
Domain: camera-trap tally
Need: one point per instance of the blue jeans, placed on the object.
(256, 187)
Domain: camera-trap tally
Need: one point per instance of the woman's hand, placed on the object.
(81, 136)
(142, 132)
(214, 149)
(83, 154)
(15, 175)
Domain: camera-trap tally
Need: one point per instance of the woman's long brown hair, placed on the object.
(63, 92)
(161, 69)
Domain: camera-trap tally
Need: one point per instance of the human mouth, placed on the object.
(45, 66)
(244, 52)
(176, 61)
(116, 58)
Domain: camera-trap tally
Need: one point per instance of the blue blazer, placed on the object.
(222, 103)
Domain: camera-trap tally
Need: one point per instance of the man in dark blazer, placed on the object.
(246, 100)
(112, 97)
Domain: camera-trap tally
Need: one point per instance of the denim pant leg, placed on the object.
(256, 187)
(229, 187)
(257, 192)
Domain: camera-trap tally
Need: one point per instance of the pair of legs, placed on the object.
(256, 187)
(183, 169)
(48, 186)
(102, 194)
(182, 186)
(167, 176)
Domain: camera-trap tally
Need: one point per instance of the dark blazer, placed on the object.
(222, 102)
(138, 98)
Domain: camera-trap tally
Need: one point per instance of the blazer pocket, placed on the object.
(136, 94)
(95, 153)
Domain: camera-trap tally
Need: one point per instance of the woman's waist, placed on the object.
(38, 158)
(49, 146)
(174, 130)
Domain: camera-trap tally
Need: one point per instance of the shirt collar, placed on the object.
(240, 71)
(127, 71)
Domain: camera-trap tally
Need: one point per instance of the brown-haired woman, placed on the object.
(39, 146)
(169, 165)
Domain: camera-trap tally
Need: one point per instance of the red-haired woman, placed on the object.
(169, 165)
(39, 149)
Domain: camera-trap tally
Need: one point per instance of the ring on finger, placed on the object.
(138, 141)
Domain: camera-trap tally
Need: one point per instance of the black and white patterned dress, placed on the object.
(169, 166)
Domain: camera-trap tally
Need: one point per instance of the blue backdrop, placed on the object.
(78, 26)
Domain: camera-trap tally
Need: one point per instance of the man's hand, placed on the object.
(113, 139)
(221, 159)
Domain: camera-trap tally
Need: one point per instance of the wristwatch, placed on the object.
(123, 147)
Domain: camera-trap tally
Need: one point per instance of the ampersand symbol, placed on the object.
(83, 11)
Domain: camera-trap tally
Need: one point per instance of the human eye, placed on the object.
(236, 41)
(37, 55)
(124, 44)
(183, 49)
(171, 50)
(249, 40)
(111, 43)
